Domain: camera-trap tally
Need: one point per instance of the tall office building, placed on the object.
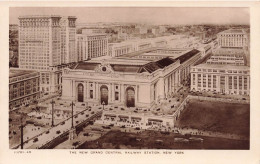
(44, 44)
(68, 40)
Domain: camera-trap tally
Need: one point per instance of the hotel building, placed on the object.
(43, 47)
(23, 87)
(232, 38)
(68, 40)
(226, 79)
(91, 46)
(124, 80)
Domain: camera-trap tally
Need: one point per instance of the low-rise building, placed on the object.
(227, 56)
(232, 38)
(91, 46)
(24, 87)
(225, 79)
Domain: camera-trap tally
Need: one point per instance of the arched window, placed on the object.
(130, 97)
(80, 93)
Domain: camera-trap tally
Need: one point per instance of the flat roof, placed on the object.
(39, 16)
(233, 31)
(220, 66)
(17, 72)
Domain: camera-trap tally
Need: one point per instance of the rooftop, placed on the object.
(220, 66)
(233, 31)
(19, 72)
(39, 16)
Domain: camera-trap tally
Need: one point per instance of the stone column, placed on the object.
(113, 92)
(122, 93)
(87, 90)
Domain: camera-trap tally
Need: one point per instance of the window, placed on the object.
(116, 96)
(91, 94)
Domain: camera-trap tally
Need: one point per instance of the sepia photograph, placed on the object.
(174, 78)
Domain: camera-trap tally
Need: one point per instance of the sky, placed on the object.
(146, 15)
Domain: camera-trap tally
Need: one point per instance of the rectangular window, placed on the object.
(91, 94)
(214, 81)
(235, 82)
(116, 96)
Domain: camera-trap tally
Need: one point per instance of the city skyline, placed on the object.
(170, 15)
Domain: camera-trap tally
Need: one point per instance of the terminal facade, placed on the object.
(129, 81)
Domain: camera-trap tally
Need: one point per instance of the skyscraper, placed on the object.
(68, 40)
(44, 44)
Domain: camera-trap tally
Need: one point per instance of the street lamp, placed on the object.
(21, 132)
(72, 104)
(21, 126)
(52, 112)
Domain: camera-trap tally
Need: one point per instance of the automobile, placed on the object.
(63, 123)
(122, 109)
(110, 109)
(89, 110)
(181, 140)
(97, 129)
(75, 116)
(82, 113)
(45, 93)
(76, 143)
(137, 128)
(106, 127)
(91, 122)
(111, 125)
(196, 139)
(178, 99)
(85, 134)
(35, 140)
(47, 132)
(77, 122)
(123, 126)
(92, 112)
(58, 132)
(27, 105)
(87, 115)
(61, 104)
(82, 104)
(243, 98)
(135, 111)
(158, 109)
(39, 117)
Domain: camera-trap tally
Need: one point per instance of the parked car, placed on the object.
(58, 132)
(35, 140)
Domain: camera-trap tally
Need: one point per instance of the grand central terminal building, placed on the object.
(139, 79)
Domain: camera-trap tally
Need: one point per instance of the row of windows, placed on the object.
(221, 71)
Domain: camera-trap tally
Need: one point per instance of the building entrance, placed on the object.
(104, 94)
(130, 97)
(80, 93)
